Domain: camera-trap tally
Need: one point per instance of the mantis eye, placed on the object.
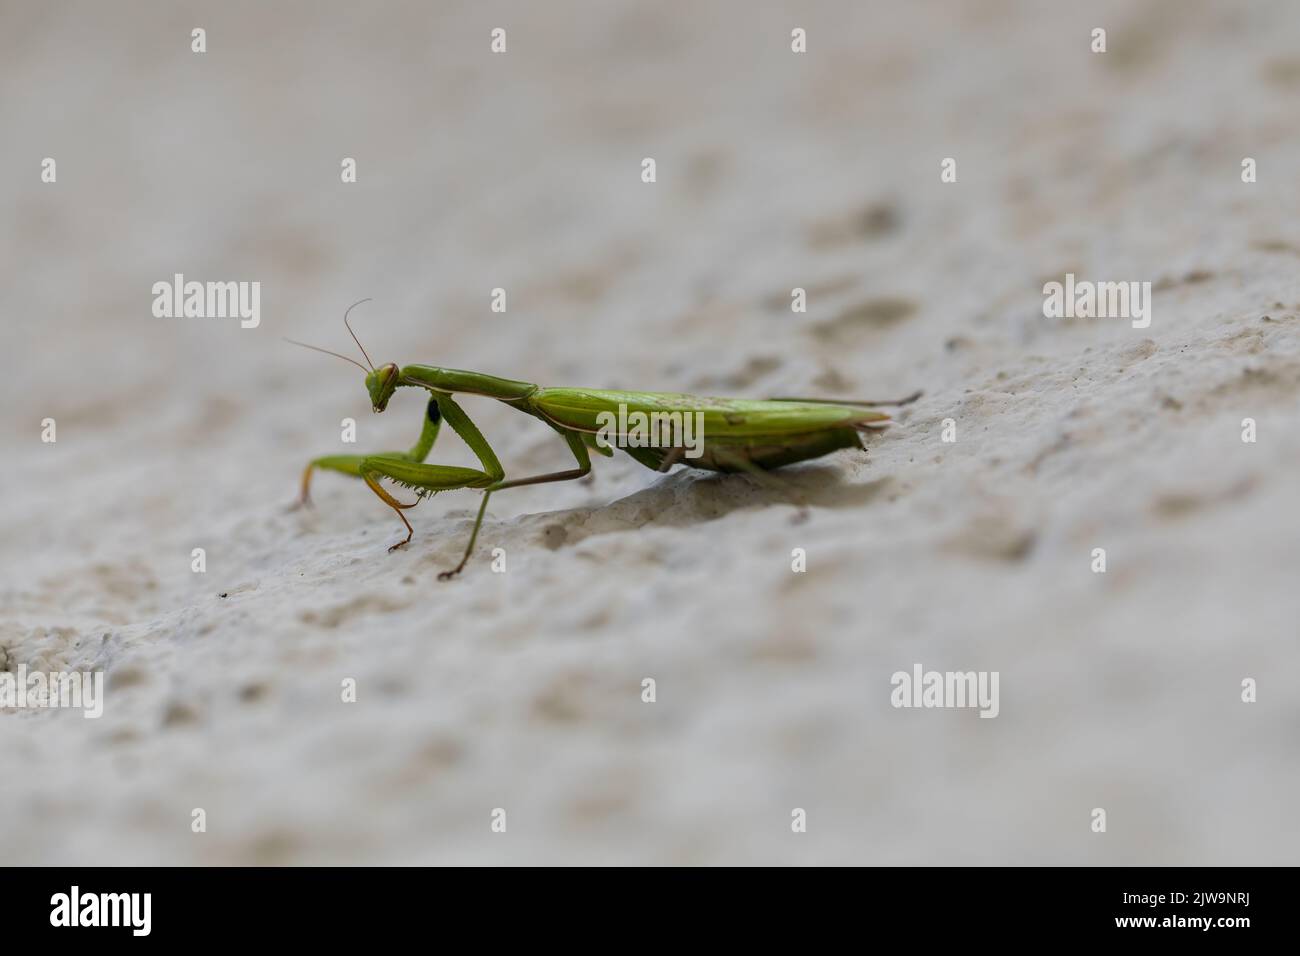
(382, 383)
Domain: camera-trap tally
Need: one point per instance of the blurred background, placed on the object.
(775, 170)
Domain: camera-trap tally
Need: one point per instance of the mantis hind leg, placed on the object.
(579, 449)
(738, 461)
(864, 402)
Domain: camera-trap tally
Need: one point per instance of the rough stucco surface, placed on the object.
(522, 690)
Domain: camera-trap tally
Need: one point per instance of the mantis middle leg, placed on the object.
(579, 449)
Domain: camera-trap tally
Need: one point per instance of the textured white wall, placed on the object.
(775, 170)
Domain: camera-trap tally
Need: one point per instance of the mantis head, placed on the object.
(381, 383)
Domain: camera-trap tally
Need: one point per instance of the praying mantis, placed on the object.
(736, 435)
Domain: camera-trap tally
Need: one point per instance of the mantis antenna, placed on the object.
(316, 348)
(353, 334)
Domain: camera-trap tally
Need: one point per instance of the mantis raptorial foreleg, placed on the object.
(412, 474)
(409, 470)
(422, 478)
(351, 464)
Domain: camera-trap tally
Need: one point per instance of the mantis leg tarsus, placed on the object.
(410, 532)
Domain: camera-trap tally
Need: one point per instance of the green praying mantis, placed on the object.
(733, 435)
